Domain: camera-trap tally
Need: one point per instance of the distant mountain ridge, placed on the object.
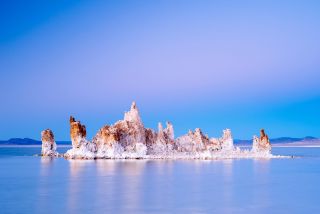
(280, 140)
(28, 141)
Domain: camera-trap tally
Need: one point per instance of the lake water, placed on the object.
(30, 184)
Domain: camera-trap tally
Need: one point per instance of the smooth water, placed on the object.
(31, 184)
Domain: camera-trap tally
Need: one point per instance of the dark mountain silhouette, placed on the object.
(28, 141)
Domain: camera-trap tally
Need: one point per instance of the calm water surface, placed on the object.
(30, 184)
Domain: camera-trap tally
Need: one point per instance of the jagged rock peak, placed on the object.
(192, 142)
(198, 131)
(124, 133)
(49, 145)
(133, 115)
(160, 128)
(199, 137)
(227, 134)
(169, 130)
(133, 105)
(165, 135)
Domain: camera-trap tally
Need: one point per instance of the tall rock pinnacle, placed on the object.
(81, 147)
(169, 131)
(133, 115)
(49, 145)
(77, 132)
(262, 143)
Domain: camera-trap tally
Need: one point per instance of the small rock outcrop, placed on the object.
(49, 145)
(262, 143)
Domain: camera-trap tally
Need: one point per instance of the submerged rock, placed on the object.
(49, 145)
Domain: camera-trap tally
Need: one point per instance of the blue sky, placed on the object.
(207, 64)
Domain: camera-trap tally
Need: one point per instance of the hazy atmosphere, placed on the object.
(212, 65)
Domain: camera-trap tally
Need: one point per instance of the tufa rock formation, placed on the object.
(77, 132)
(227, 140)
(261, 144)
(124, 135)
(196, 142)
(81, 147)
(128, 138)
(49, 145)
(165, 136)
(192, 142)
